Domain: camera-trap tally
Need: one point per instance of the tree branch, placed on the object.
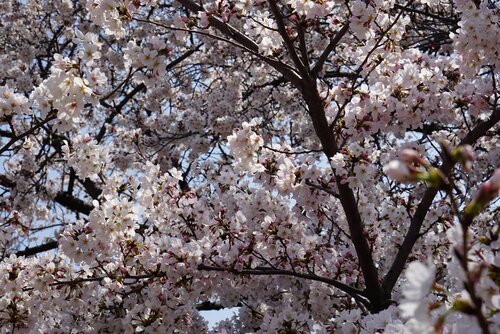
(288, 42)
(347, 199)
(50, 117)
(331, 46)
(340, 74)
(38, 249)
(72, 203)
(211, 306)
(245, 41)
(91, 188)
(421, 12)
(63, 198)
(263, 271)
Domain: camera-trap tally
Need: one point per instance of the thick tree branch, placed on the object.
(266, 271)
(6, 182)
(347, 199)
(91, 188)
(63, 198)
(211, 306)
(340, 74)
(258, 271)
(38, 249)
(6, 134)
(73, 203)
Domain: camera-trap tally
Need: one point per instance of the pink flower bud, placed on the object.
(488, 191)
(468, 153)
(412, 156)
(465, 155)
(495, 179)
(398, 171)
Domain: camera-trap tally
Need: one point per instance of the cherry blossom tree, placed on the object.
(323, 166)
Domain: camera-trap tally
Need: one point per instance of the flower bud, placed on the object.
(465, 155)
(399, 171)
(487, 192)
(412, 156)
(464, 306)
(434, 177)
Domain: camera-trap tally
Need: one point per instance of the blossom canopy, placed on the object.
(320, 166)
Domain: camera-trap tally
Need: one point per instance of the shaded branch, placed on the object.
(428, 14)
(331, 46)
(340, 74)
(6, 134)
(118, 109)
(73, 203)
(347, 199)
(211, 306)
(264, 271)
(15, 138)
(63, 198)
(38, 249)
(286, 38)
(91, 188)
